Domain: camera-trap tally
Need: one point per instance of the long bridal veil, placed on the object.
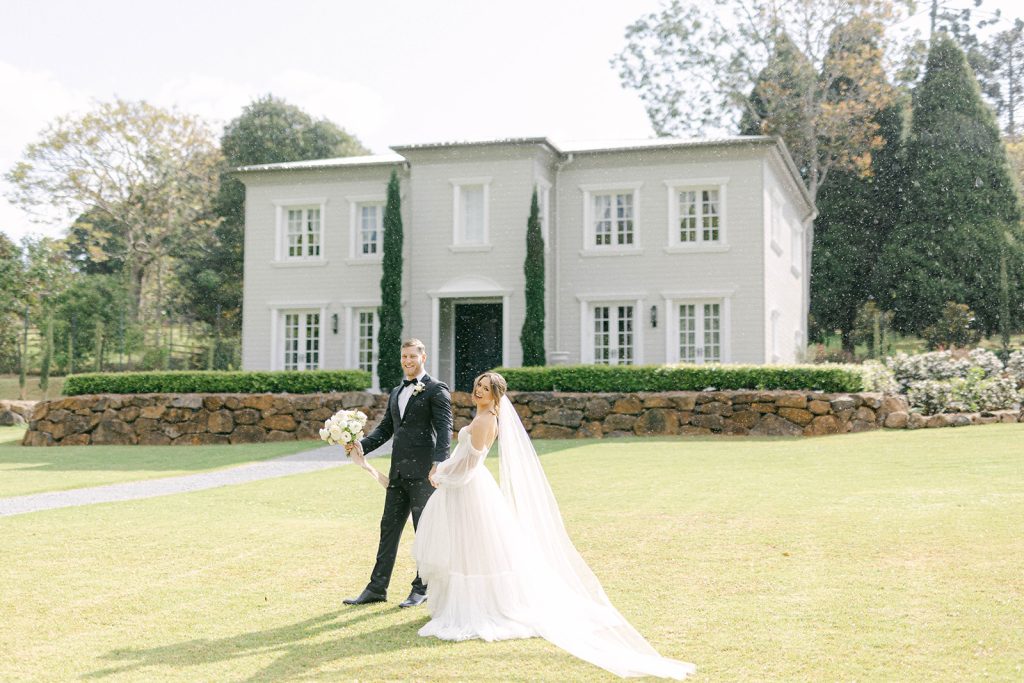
(580, 619)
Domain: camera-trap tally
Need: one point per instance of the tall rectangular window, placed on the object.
(303, 235)
(613, 334)
(712, 333)
(371, 229)
(796, 250)
(365, 339)
(301, 342)
(613, 219)
(700, 332)
(688, 333)
(472, 214)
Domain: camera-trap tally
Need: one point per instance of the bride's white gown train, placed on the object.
(498, 563)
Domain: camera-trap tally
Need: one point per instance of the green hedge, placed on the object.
(623, 378)
(289, 381)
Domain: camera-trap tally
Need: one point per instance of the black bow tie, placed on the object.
(407, 382)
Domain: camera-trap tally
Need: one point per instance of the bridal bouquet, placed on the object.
(344, 427)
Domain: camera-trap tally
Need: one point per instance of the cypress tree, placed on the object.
(532, 335)
(389, 338)
(855, 215)
(960, 201)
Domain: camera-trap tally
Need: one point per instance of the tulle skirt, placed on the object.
(469, 552)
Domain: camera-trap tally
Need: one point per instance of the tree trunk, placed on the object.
(847, 336)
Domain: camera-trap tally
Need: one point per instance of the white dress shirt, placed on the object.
(406, 393)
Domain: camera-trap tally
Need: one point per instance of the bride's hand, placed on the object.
(430, 477)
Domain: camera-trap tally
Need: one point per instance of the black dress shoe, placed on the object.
(414, 599)
(365, 598)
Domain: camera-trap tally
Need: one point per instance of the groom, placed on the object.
(419, 416)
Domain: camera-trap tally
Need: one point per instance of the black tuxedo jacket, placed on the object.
(422, 436)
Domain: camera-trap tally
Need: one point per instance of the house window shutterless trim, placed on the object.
(611, 218)
(301, 340)
(697, 214)
(471, 198)
(300, 231)
(611, 329)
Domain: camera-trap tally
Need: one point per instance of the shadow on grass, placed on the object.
(295, 653)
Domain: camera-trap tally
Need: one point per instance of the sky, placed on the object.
(390, 72)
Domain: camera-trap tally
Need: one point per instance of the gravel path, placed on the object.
(297, 463)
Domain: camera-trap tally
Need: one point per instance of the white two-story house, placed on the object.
(657, 251)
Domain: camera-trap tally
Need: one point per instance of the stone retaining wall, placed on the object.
(191, 419)
(155, 419)
(784, 413)
(15, 412)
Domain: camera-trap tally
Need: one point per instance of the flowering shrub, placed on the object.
(943, 381)
(1015, 366)
(942, 365)
(931, 396)
(878, 377)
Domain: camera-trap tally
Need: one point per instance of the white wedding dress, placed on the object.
(498, 563)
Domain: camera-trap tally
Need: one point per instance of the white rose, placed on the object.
(346, 437)
(324, 433)
(336, 432)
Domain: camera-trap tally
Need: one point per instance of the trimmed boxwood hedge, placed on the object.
(179, 382)
(629, 378)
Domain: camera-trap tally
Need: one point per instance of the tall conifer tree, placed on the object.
(532, 335)
(856, 213)
(389, 337)
(960, 203)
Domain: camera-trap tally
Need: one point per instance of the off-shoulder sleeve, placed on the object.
(459, 469)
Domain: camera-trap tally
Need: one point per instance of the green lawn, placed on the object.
(34, 470)
(10, 390)
(884, 556)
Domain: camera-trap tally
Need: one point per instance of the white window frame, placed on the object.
(352, 314)
(796, 249)
(458, 243)
(587, 304)
(776, 221)
(282, 207)
(774, 332)
(589, 235)
(673, 300)
(544, 208)
(355, 203)
(674, 187)
(277, 313)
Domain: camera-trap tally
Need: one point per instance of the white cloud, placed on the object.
(356, 107)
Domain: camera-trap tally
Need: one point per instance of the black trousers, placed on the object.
(403, 496)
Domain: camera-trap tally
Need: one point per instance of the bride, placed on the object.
(498, 562)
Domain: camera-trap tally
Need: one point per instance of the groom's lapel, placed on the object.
(393, 406)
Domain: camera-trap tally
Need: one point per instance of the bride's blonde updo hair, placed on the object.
(498, 387)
